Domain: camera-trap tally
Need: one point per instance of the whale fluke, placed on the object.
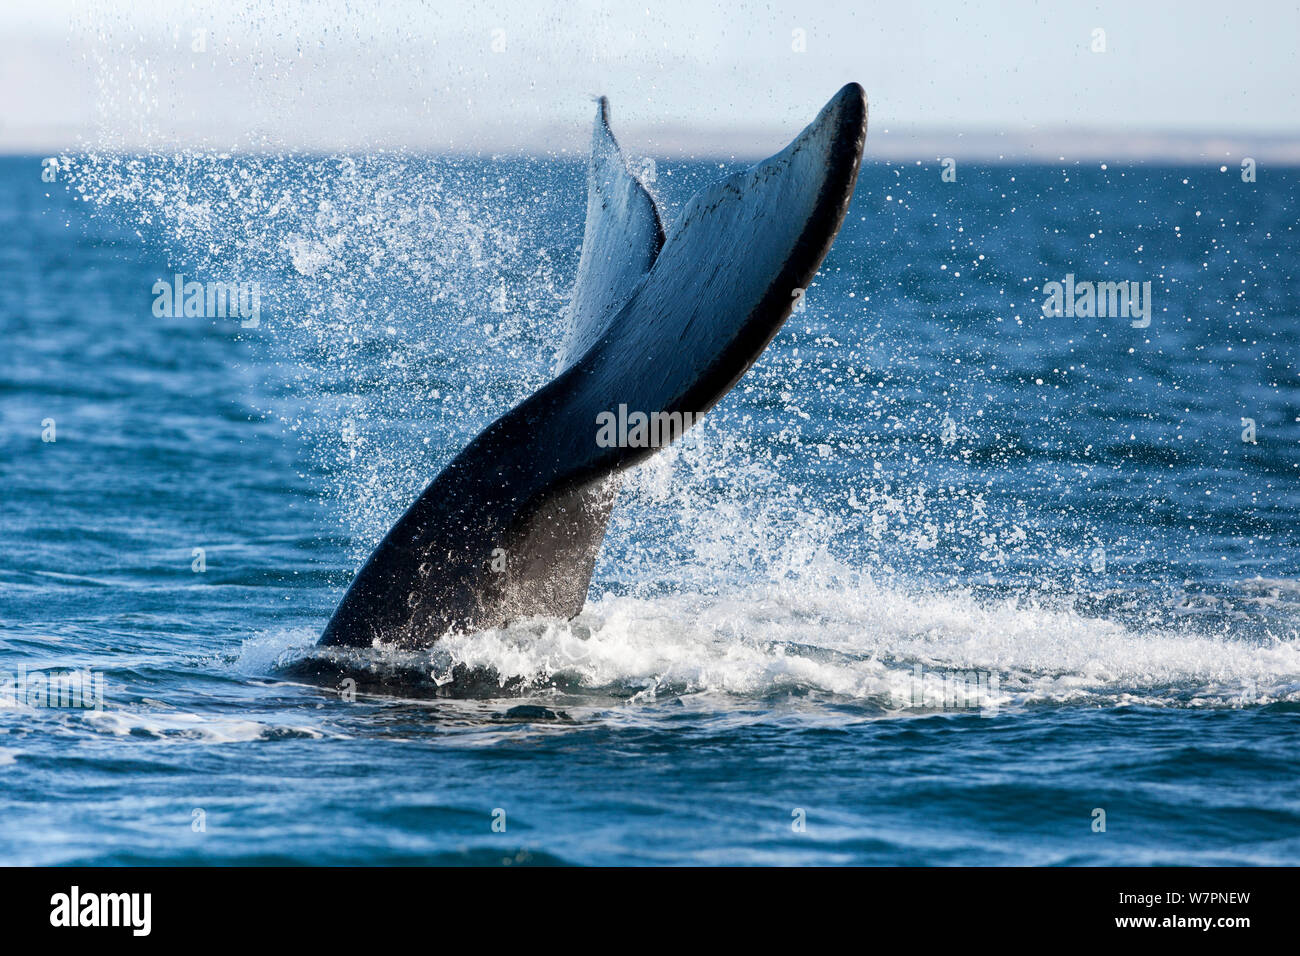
(660, 327)
(620, 242)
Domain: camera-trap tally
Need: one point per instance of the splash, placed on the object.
(893, 650)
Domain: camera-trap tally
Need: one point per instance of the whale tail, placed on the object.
(661, 327)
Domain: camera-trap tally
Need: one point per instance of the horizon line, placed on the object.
(1030, 145)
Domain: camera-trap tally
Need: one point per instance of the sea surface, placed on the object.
(944, 580)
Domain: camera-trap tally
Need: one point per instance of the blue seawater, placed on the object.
(944, 580)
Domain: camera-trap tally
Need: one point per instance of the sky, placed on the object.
(1019, 77)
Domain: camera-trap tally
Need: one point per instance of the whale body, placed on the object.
(662, 325)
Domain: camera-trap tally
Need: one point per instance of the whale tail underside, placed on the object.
(661, 327)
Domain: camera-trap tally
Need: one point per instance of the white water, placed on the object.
(862, 643)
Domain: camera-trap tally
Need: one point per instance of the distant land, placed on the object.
(884, 142)
(1031, 144)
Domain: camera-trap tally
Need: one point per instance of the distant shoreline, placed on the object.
(1026, 146)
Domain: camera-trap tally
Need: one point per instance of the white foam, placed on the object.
(122, 723)
(866, 642)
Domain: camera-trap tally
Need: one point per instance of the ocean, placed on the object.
(946, 579)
